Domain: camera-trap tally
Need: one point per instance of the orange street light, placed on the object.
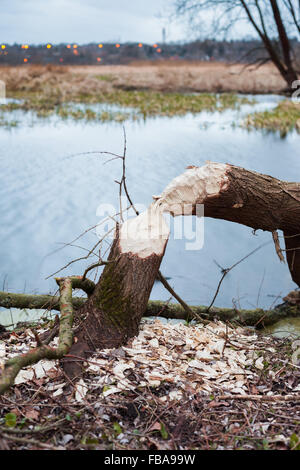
(68, 46)
(118, 45)
(75, 46)
(100, 45)
(155, 45)
(98, 59)
(140, 44)
(25, 60)
(3, 46)
(48, 46)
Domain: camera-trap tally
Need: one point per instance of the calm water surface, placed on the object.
(48, 198)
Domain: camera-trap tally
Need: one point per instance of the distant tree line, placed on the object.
(244, 51)
(274, 22)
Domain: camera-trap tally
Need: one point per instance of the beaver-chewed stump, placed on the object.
(113, 312)
(115, 305)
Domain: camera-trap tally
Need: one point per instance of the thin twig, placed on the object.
(277, 246)
(293, 398)
(225, 271)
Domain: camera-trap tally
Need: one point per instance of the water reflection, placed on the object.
(47, 198)
(287, 328)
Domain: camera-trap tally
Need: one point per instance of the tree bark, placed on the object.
(113, 312)
(258, 317)
(115, 305)
(283, 62)
(238, 195)
(290, 74)
(250, 317)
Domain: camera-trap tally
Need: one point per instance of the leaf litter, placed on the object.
(174, 386)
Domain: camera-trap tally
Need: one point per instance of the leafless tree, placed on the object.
(275, 22)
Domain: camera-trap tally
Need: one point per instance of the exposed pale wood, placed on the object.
(238, 195)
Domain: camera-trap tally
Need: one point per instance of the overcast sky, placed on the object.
(84, 21)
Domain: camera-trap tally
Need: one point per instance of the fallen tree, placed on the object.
(116, 303)
(238, 195)
(249, 317)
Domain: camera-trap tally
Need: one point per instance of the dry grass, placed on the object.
(165, 76)
(49, 90)
(157, 89)
(193, 76)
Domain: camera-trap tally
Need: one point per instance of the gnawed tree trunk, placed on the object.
(116, 304)
(113, 312)
(232, 193)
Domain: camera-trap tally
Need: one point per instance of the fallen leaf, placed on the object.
(81, 390)
(32, 414)
(24, 376)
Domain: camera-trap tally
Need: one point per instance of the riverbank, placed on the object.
(284, 118)
(120, 93)
(61, 91)
(133, 105)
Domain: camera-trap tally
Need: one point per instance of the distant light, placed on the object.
(75, 52)
(158, 50)
(98, 59)
(155, 45)
(25, 60)
(69, 46)
(140, 44)
(75, 46)
(48, 46)
(61, 59)
(118, 45)
(100, 45)
(3, 46)
(26, 46)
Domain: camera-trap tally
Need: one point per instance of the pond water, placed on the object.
(48, 197)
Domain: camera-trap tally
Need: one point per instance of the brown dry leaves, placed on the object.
(211, 359)
(165, 389)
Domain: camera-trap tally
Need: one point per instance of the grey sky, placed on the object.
(83, 21)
